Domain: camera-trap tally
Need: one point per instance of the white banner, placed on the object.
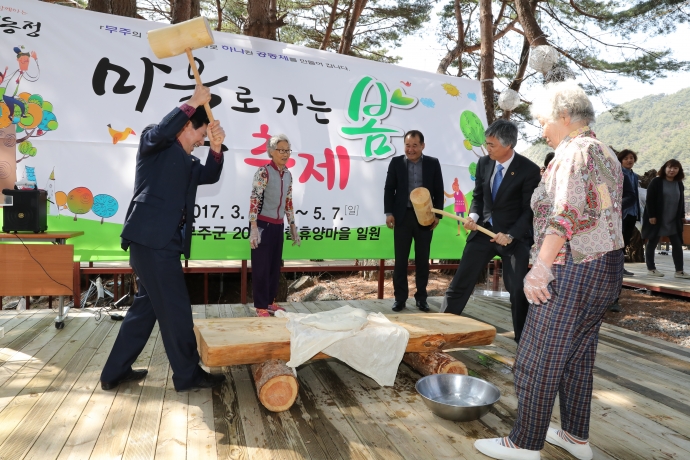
(83, 85)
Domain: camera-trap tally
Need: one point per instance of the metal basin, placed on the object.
(457, 397)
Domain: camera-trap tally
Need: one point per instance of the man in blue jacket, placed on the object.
(157, 230)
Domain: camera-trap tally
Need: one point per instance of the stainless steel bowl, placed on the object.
(457, 397)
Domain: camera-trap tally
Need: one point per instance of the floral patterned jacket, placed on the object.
(579, 199)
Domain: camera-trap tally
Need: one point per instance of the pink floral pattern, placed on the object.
(579, 199)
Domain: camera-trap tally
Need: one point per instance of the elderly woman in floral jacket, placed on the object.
(576, 274)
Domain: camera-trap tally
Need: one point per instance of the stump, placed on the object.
(434, 363)
(276, 385)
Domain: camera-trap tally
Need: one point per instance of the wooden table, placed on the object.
(38, 269)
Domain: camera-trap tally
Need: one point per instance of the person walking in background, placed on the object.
(406, 173)
(576, 273)
(630, 207)
(663, 216)
(460, 202)
(270, 202)
(505, 181)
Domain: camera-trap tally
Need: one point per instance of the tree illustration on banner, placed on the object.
(23, 115)
(104, 206)
(79, 201)
(473, 130)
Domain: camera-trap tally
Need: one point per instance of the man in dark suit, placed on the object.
(157, 230)
(503, 189)
(404, 175)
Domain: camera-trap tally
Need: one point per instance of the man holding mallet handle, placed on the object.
(157, 229)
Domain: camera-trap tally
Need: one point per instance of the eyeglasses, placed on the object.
(284, 151)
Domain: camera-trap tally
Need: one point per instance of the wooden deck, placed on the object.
(668, 284)
(51, 405)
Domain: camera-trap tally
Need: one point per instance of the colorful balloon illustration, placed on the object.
(79, 201)
(61, 200)
(473, 129)
(104, 206)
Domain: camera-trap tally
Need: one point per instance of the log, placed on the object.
(434, 363)
(276, 385)
(236, 341)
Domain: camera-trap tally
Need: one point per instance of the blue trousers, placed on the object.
(162, 297)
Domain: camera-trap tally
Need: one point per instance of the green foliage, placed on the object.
(472, 128)
(26, 149)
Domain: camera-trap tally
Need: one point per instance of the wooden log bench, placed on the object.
(265, 344)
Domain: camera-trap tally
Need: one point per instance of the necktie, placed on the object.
(498, 178)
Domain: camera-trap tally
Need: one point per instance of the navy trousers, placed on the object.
(266, 261)
(162, 296)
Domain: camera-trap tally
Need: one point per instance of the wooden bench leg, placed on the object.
(434, 363)
(276, 385)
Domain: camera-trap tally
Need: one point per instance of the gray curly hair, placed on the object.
(559, 97)
(272, 143)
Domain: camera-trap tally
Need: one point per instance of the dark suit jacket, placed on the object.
(395, 193)
(511, 212)
(631, 197)
(655, 208)
(165, 185)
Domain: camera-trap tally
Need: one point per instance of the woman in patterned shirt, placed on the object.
(269, 204)
(576, 274)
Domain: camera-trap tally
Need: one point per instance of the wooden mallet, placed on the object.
(421, 202)
(183, 38)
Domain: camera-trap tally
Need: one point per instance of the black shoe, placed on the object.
(627, 273)
(615, 307)
(132, 376)
(422, 305)
(398, 306)
(206, 381)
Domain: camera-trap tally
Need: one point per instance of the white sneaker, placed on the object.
(494, 448)
(579, 451)
(655, 273)
(682, 275)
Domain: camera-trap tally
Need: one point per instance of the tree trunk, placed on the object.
(126, 8)
(276, 385)
(184, 10)
(455, 53)
(350, 25)
(262, 21)
(525, 11)
(329, 28)
(219, 9)
(486, 66)
(100, 6)
(434, 363)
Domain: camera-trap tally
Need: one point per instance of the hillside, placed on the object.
(659, 130)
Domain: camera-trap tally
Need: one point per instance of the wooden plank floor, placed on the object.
(52, 407)
(667, 284)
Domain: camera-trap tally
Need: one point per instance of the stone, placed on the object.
(302, 283)
(329, 296)
(313, 294)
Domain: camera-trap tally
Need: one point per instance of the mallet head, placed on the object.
(178, 38)
(421, 202)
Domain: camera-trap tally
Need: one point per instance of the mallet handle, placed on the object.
(197, 77)
(463, 220)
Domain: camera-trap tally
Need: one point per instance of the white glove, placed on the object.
(296, 240)
(537, 282)
(254, 237)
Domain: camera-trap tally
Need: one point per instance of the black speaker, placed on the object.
(28, 213)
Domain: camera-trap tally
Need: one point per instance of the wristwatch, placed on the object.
(510, 236)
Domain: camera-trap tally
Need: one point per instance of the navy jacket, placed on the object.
(165, 185)
(395, 193)
(511, 213)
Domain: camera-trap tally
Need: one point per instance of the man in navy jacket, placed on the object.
(157, 230)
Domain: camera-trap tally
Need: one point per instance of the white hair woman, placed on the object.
(576, 274)
(269, 204)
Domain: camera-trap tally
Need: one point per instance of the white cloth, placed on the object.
(369, 343)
